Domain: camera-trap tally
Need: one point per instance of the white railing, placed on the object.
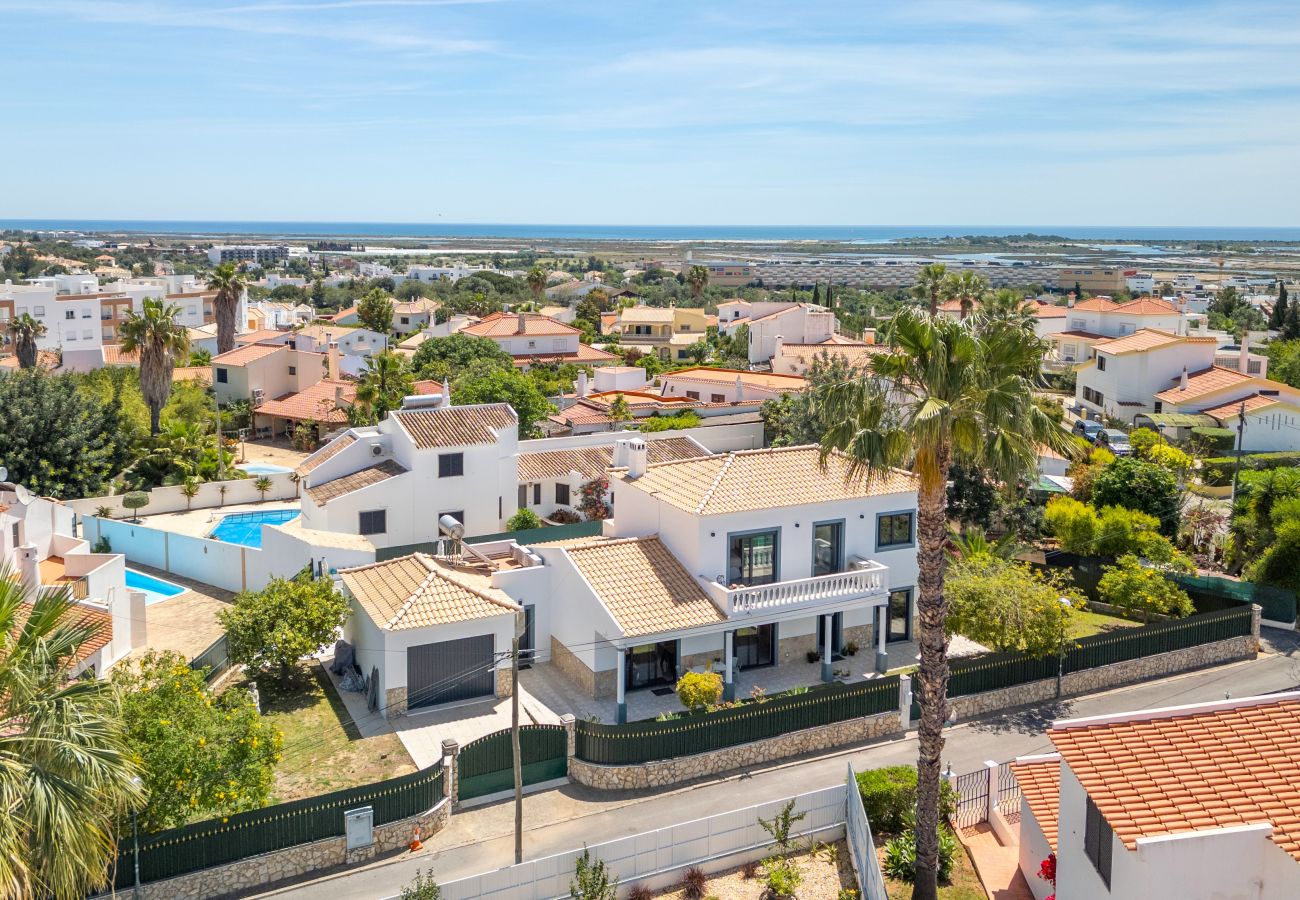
(820, 588)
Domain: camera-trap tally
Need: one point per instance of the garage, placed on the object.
(448, 671)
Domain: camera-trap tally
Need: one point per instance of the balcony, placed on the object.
(869, 578)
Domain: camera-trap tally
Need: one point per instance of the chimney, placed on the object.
(338, 396)
(29, 567)
(740, 389)
(521, 323)
(1069, 299)
(1243, 361)
(1182, 381)
(332, 356)
(446, 394)
(776, 347)
(636, 457)
(580, 386)
(620, 454)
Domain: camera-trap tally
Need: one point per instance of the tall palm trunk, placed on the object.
(25, 350)
(226, 308)
(932, 676)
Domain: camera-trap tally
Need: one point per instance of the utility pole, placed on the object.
(221, 459)
(514, 738)
(1241, 437)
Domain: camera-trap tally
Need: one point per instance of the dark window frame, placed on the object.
(562, 493)
(776, 553)
(369, 516)
(1098, 841)
(911, 529)
(451, 465)
(223, 376)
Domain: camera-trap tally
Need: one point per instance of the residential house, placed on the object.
(729, 385)
(797, 359)
(768, 320)
(1099, 318)
(1167, 804)
(668, 333)
(1271, 409)
(322, 406)
(39, 546)
(1049, 318)
(530, 338)
(1124, 373)
(413, 315)
(260, 372)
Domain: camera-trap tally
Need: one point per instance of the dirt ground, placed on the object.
(826, 872)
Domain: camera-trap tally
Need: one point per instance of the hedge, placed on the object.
(1217, 470)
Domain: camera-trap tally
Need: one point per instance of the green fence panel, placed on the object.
(588, 528)
(191, 848)
(486, 766)
(1161, 637)
(1277, 604)
(994, 671)
(216, 659)
(639, 742)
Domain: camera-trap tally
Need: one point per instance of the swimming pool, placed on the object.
(154, 589)
(259, 468)
(246, 528)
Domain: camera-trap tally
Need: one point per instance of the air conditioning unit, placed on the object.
(857, 564)
(376, 449)
(258, 396)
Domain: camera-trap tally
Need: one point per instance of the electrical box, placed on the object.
(359, 826)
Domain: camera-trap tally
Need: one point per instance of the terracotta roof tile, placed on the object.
(114, 355)
(262, 334)
(1146, 306)
(1085, 335)
(766, 380)
(851, 353)
(593, 461)
(1185, 769)
(1203, 383)
(337, 487)
(100, 621)
(1040, 783)
(584, 354)
(1254, 403)
(242, 356)
(1147, 339)
(746, 480)
(643, 586)
(455, 426)
(340, 443)
(506, 324)
(320, 403)
(417, 591)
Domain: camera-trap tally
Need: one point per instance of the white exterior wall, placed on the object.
(800, 325)
(351, 341)
(524, 345)
(1271, 430)
(1138, 377)
(677, 385)
(578, 620)
(1033, 850)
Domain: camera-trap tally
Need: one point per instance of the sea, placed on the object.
(865, 234)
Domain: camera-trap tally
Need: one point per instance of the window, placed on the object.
(293, 370)
(1101, 363)
(537, 494)
(87, 334)
(899, 625)
(828, 548)
(39, 311)
(1077, 324)
(693, 395)
(717, 398)
(557, 344)
(373, 521)
(1160, 406)
(1098, 841)
(562, 493)
(70, 314)
(523, 496)
(17, 542)
(893, 530)
(532, 345)
(1096, 398)
(406, 320)
(751, 558)
(1070, 350)
(451, 465)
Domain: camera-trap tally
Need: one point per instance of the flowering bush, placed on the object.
(592, 502)
(1047, 872)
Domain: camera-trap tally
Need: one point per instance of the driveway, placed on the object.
(422, 733)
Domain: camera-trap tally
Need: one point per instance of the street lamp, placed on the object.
(135, 838)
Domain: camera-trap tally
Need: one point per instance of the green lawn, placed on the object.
(1088, 622)
(965, 883)
(323, 750)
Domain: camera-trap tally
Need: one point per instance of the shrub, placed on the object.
(779, 826)
(1218, 470)
(102, 545)
(1142, 590)
(564, 516)
(639, 892)
(1141, 485)
(1170, 458)
(592, 880)
(1143, 439)
(523, 520)
(694, 883)
(699, 690)
(889, 796)
(782, 877)
(135, 501)
(1072, 523)
(1208, 439)
(900, 856)
(422, 888)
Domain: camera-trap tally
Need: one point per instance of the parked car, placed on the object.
(1114, 440)
(1088, 429)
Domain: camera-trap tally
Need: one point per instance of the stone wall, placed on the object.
(395, 702)
(572, 668)
(249, 875)
(795, 649)
(505, 683)
(687, 768)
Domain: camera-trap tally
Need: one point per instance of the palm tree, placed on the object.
(66, 774)
(229, 285)
(1010, 306)
(965, 288)
(930, 284)
(382, 385)
(160, 339)
(263, 485)
(536, 279)
(947, 391)
(200, 358)
(190, 490)
(697, 279)
(24, 331)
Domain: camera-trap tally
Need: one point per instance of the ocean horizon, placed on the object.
(649, 233)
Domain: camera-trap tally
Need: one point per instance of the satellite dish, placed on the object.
(450, 525)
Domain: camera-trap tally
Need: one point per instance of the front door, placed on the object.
(651, 664)
(755, 646)
(528, 640)
(837, 634)
(900, 616)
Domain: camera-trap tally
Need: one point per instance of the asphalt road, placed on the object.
(479, 840)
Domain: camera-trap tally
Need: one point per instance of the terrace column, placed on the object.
(729, 679)
(882, 628)
(828, 629)
(622, 688)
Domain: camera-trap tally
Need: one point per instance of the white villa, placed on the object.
(530, 338)
(768, 320)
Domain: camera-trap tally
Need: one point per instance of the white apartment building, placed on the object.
(1167, 804)
(1140, 283)
(37, 544)
(262, 254)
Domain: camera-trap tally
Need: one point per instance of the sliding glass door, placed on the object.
(751, 558)
(828, 548)
(755, 646)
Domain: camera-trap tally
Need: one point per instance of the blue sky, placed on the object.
(751, 112)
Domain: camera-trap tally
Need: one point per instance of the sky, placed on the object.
(626, 112)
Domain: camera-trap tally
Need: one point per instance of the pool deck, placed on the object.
(277, 453)
(187, 623)
(198, 522)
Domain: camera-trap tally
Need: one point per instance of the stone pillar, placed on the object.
(905, 702)
(991, 803)
(728, 658)
(828, 629)
(619, 679)
(451, 770)
(1256, 611)
(570, 735)
(882, 628)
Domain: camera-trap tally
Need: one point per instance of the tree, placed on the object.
(91, 444)
(699, 352)
(930, 285)
(1277, 319)
(318, 294)
(1284, 362)
(200, 359)
(947, 390)
(1008, 606)
(1230, 311)
(24, 331)
(229, 284)
(591, 879)
(536, 279)
(485, 383)
(190, 489)
(375, 310)
(200, 754)
(795, 419)
(1291, 328)
(273, 628)
(160, 339)
(1142, 590)
(523, 520)
(383, 384)
(1014, 307)
(422, 888)
(66, 773)
(1143, 439)
(1141, 485)
(698, 691)
(135, 501)
(440, 358)
(263, 485)
(965, 287)
(697, 279)
(619, 410)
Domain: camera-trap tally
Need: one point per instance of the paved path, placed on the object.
(480, 839)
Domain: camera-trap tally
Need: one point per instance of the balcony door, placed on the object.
(751, 558)
(900, 616)
(754, 646)
(828, 548)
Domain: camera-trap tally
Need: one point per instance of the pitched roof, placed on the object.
(1148, 339)
(745, 480)
(193, 373)
(767, 380)
(851, 353)
(1202, 383)
(417, 591)
(100, 621)
(114, 355)
(1083, 335)
(455, 426)
(1097, 304)
(506, 324)
(320, 403)
(593, 461)
(1170, 771)
(1146, 306)
(242, 356)
(1050, 311)
(784, 311)
(584, 353)
(1254, 403)
(340, 443)
(1040, 784)
(643, 586)
(336, 487)
(262, 334)
(645, 314)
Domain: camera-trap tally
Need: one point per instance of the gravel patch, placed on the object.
(823, 879)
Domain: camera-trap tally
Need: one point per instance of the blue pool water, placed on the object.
(264, 469)
(155, 589)
(246, 528)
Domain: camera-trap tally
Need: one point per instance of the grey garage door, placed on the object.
(449, 670)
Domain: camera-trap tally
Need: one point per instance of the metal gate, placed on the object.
(450, 670)
(486, 766)
(972, 791)
(1008, 793)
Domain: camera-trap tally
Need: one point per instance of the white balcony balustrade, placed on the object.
(871, 578)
